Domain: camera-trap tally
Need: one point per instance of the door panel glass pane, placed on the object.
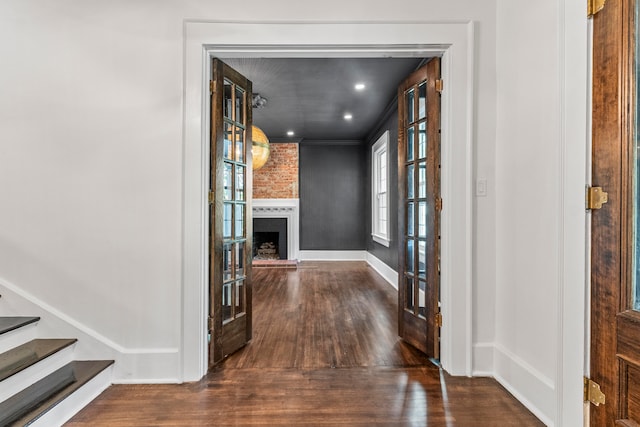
(410, 257)
(227, 301)
(228, 181)
(422, 100)
(239, 259)
(410, 106)
(422, 259)
(410, 219)
(422, 140)
(422, 180)
(408, 292)
(239, 114)
(239, 182)
(410, 143)
(227, 260)
(239, 144)
(422, 219)
(239, 221)
(421, 297)
(410, 180)
(228, 141)
(240, 297)
(227, 220)
(227, 103)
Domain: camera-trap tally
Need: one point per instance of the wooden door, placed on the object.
(419, 208)
(230, 225)
(615, 319)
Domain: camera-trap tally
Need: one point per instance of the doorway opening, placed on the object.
(397, 96)
(206, 40)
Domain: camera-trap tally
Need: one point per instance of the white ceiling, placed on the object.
(311, 95)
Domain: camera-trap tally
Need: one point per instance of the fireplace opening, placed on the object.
(269, 238)
(265, 245)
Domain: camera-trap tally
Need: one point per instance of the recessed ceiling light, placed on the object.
(360, 86)
(348, 116)
(290, 133)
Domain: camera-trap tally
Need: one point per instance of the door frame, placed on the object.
(453, 41)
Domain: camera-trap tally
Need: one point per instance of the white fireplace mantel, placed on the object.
(282, 208)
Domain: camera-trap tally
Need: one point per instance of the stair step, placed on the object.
(27, 406)
(21, 357)
(8, 324)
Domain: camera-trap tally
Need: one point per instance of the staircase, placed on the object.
(40, 382)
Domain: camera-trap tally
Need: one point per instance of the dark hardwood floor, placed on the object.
(325, 352)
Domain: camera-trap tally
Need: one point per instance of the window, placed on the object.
(380, 195)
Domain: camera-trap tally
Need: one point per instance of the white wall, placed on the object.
(527, 189)
(540, 163)
(91, 164)
(90, 125)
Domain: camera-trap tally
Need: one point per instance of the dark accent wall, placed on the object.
(332, 196)
(387, 255)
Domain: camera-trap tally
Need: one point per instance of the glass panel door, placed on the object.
(419, 168)
(230, 213)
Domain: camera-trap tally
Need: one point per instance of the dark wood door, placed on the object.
(230, 225)
(615, 319)
(419, 205)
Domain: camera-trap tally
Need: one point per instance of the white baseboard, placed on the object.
(482, 360)
(147, 365)
(533, 389)
(332, 255)
(388, 273)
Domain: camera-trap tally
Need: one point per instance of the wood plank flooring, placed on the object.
(325, 352)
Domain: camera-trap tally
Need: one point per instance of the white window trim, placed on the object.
(381, 145)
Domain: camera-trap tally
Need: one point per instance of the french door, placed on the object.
(230, 224)
(615, 243)
(419, 205)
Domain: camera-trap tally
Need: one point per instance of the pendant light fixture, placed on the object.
(259, 147)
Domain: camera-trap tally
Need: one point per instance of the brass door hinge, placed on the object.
(210, 323)
(592, 392)
(439, 320)
(594, 6)
(211, 197)
(438, 204)
(596, 197)
(439, 85)
(212, 86)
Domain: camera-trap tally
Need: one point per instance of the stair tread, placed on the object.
(31, 403)
(8, 324)
(30, 353)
